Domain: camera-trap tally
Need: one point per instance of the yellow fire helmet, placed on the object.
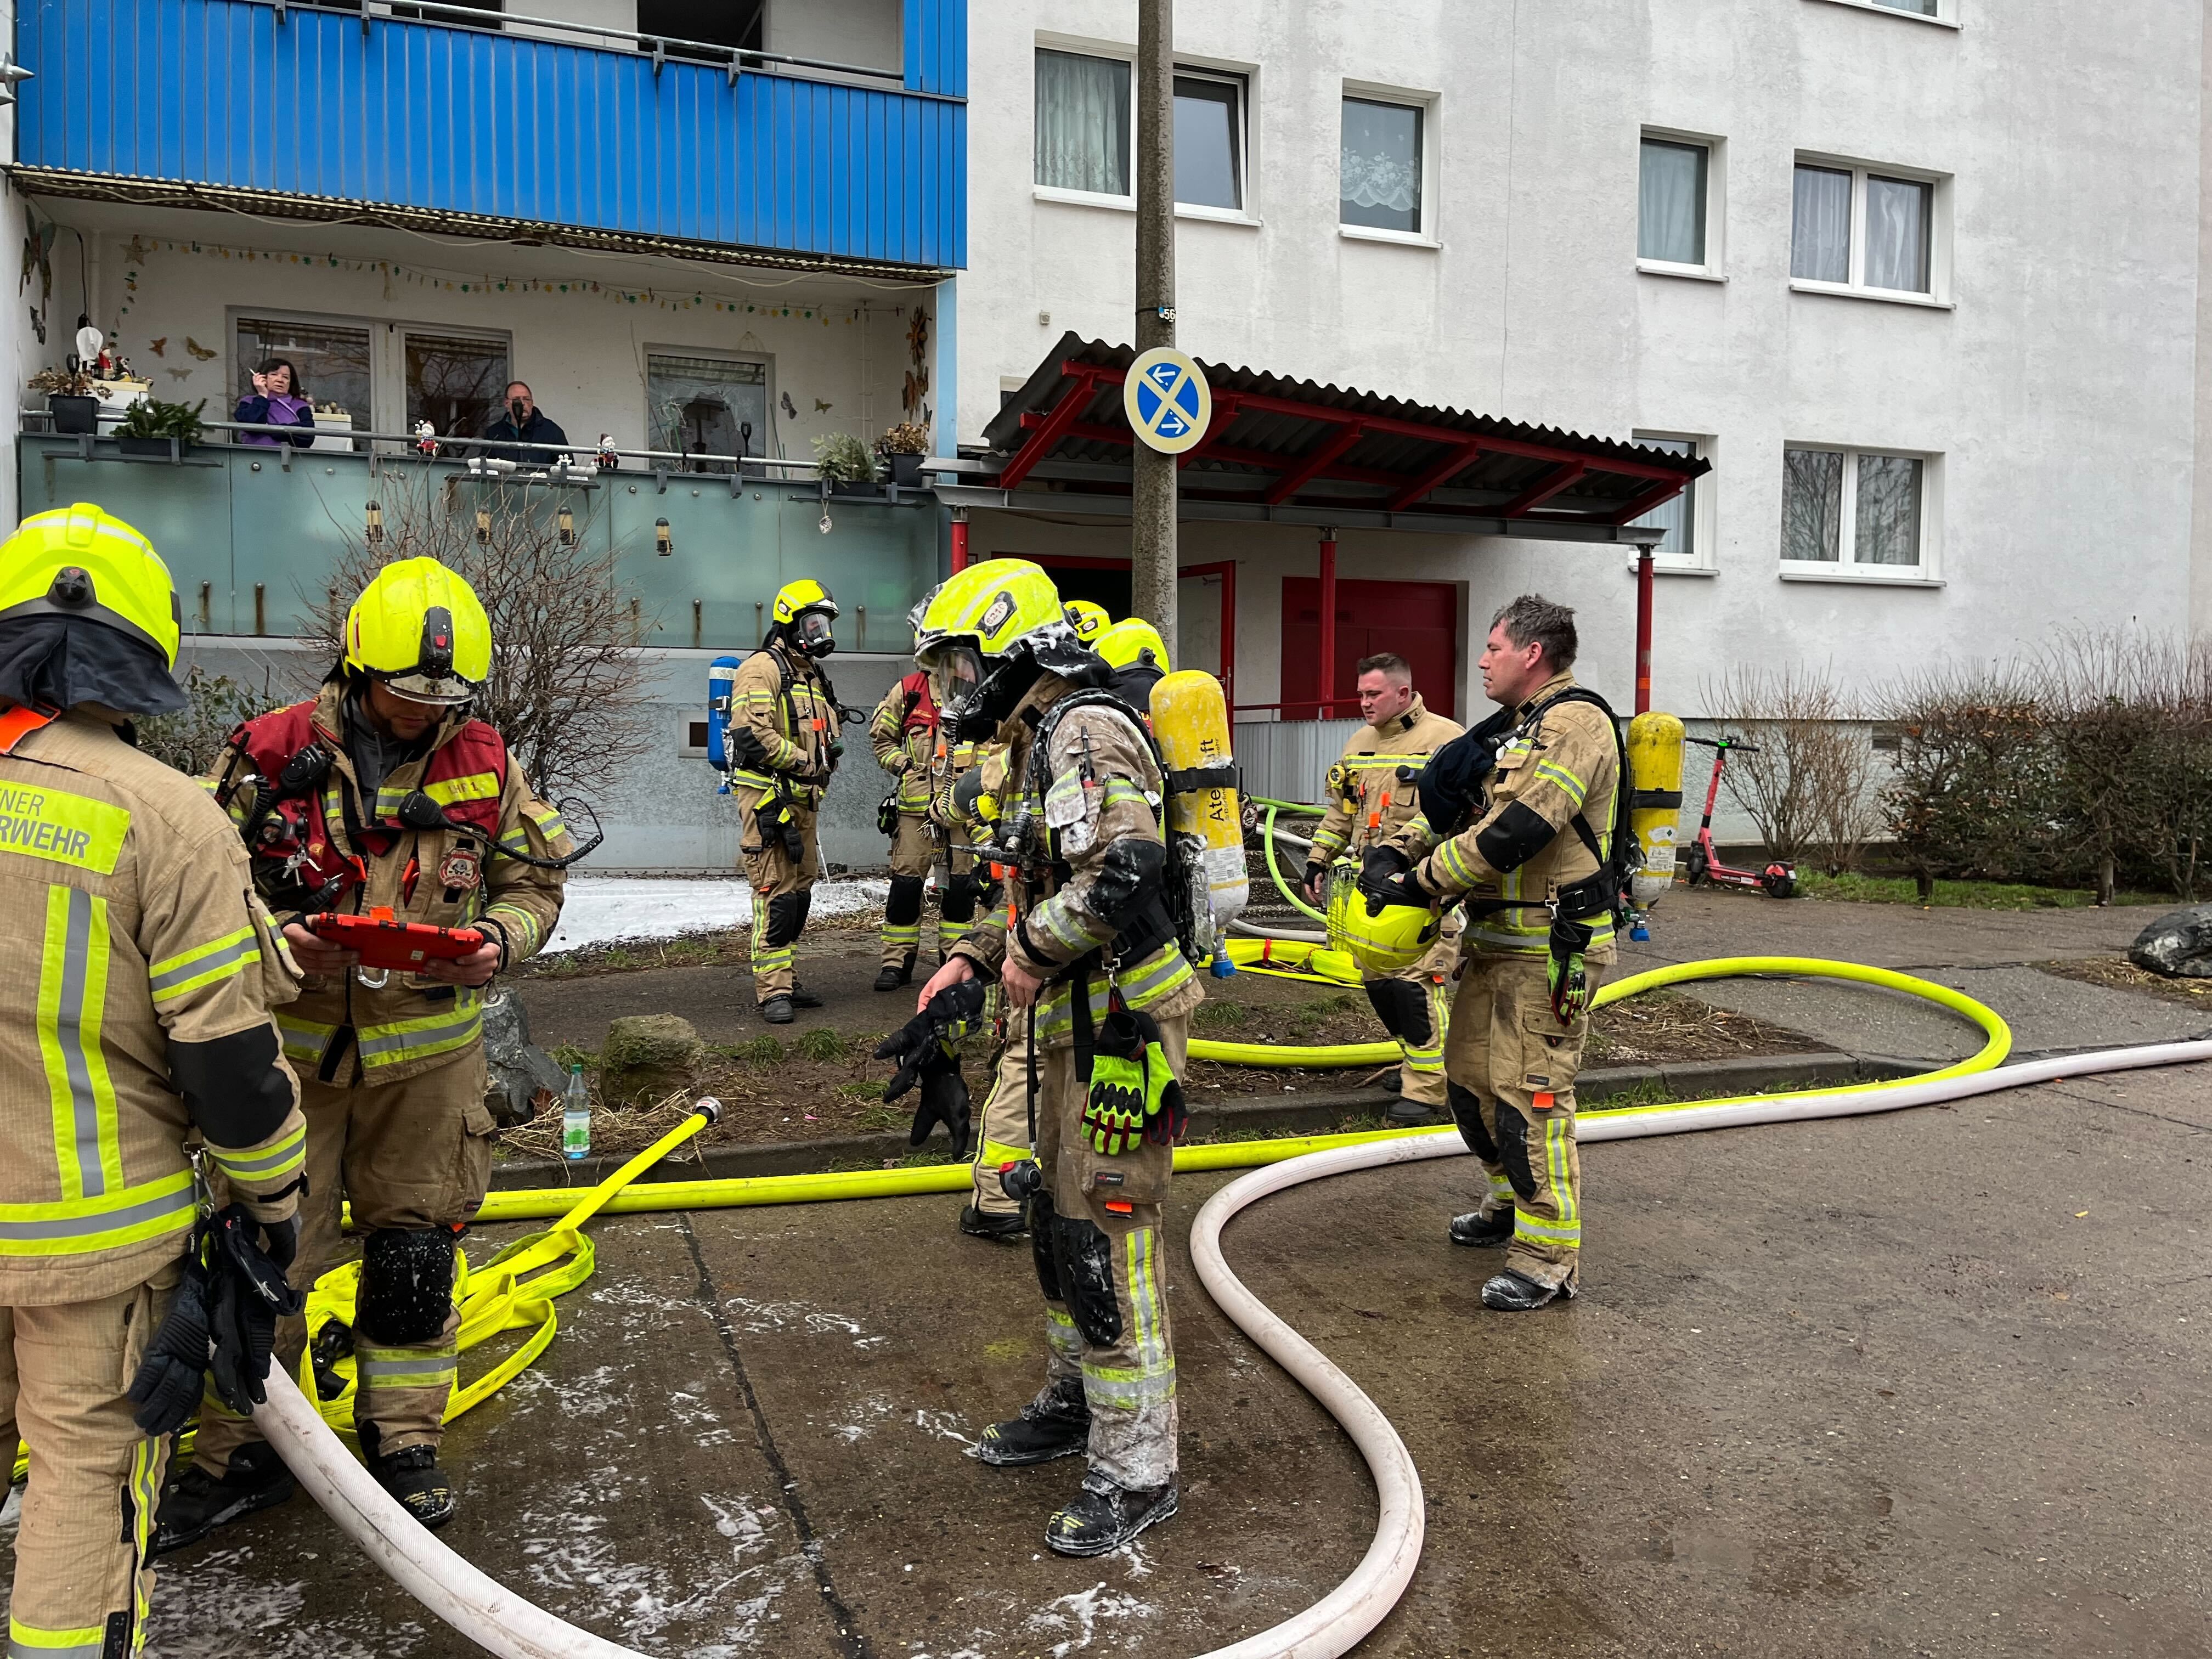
(805, 595)
(803, 613)
(987, 632)
(420, 629)
(1125, 643)
(1387, 942)
(82, 561)
(1089, 620)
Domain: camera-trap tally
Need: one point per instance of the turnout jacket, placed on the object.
(444, 878)
(783, 722)
(135, 981)
(1367, 802)
(1559, 763)
(1102, 786)
(907, 733)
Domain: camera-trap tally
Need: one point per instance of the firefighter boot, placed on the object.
(980, 1223)
(1483, 1230)
(892, 974)
(1515, 1292)
(196, 1502)
(413, 1476)
(1103, 1516)
(1056, 1423)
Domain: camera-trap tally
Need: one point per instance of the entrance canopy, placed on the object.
(1295, 452)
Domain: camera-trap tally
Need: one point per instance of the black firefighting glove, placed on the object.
(169, 1381)
(1385, 878)
(248, 1295)
(1315, 878)
(1566, 970)
(924, 1049)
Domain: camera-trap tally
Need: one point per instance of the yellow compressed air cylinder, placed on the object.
(1190, 719)
(1655, 771)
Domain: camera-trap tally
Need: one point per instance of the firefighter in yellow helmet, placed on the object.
(137, 1011)
(1371, 797)
(1087, 947)
(1088, 619)
(379, 792)
(1132, 648)
(784, 743)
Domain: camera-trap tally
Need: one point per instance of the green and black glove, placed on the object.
(1565, 971)
(1133, 1093)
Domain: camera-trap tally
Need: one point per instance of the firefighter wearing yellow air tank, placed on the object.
(911, 742)
(381, 793)
(1540, 885)
(784, 740)
(1087, 946)
(1370, 797)
(138, 978)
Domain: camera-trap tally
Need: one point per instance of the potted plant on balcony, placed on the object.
(902, 446)
(843, 462)
(69, 399)
(149, 425)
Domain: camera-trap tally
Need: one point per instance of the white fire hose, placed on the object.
(502, 1622)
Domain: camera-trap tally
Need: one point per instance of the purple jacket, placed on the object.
(258, 410)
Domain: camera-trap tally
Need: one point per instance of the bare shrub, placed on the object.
(1805, 779)
(215, 705)
(565, 629)
(1974, 786)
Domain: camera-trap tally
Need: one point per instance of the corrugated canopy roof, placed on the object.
(1277, 442)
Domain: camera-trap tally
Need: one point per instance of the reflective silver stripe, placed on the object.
(69, 1031)
(178, 1203)
(388, 1371)
(88, 1649)
(201, 966)
(239, 1163)
(419, 1036)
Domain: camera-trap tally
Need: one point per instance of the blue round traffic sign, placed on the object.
(1167, 400)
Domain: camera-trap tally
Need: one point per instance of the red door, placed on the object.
(1419, 621)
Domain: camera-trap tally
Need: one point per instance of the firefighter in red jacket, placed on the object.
(914, 746)
(382, 791)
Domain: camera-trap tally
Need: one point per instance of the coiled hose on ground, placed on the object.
(516, 1287)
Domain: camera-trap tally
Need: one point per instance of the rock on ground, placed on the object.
(648, 1056)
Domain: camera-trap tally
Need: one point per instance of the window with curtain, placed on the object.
(706, 406)
(1853, 508)
(1671, 202)
(1821, 225)
(329, 360)
(1678, 518)
(1898, 213)
(1082, 111)
(1209, 140)
(1379, 164)
(454, 382)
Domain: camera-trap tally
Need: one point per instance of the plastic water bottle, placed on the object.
(576, 1116)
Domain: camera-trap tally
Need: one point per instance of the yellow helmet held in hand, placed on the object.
(82, 560)
(1125, 644)
(1088, 620)
(420, 629)
(1389, 941)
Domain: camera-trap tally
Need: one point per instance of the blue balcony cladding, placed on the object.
(220, 92)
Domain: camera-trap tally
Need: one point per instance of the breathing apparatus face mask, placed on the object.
(980, 693)
(809, 634)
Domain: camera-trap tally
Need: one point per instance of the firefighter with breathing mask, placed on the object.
(1088, 947)
(913, 743)
(784, 739)
(381, 793)
(143, 969)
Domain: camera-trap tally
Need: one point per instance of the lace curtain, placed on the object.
(1083, 123)
(1821, 229)
(1380, 157)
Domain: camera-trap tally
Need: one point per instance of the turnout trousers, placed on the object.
(1004, 1138)
(413, 1158)
(1511, 1068)
(782, 889)
(82, 1583)
(1102, 1258)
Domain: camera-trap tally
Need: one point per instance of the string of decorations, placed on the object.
(139, 249)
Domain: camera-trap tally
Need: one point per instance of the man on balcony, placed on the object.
(524, 423)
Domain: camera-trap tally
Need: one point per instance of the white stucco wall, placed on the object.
(2059, 393)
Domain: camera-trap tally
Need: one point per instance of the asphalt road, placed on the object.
(1921, 1383)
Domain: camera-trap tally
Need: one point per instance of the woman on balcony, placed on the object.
(278, 399)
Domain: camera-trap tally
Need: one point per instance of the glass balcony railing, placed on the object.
(252, 533)
(580, 133)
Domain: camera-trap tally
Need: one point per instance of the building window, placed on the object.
(455, 381)
(1688, 544)
(1863, 230)
(1209, 140)
(737, 27)
(706, 406)
(1918, 8)
(1379, 165)
(1083, 123)
(1847, 510)
(1086, 117)
(330, 364)
(1672, 183)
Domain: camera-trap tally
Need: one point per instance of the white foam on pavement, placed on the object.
(602, 909)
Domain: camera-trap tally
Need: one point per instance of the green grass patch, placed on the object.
(880, 1116)
(1221, 1016)
(762, 1050)
(1957, 895)
(823, 1043)
(566, 1054)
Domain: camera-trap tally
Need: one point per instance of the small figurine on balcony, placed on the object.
(426, 437)
(608, 461)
